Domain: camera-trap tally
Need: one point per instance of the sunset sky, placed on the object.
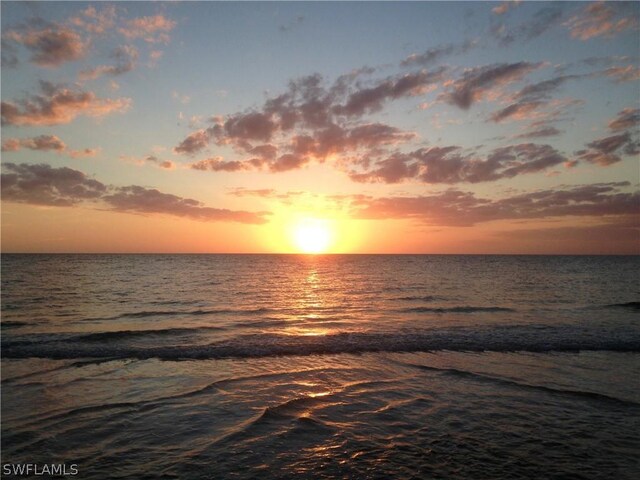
(386, 127)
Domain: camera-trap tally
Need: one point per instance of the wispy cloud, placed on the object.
(476, 82)
(608, 150)
(152, 29)
(65, 187)
(450, 165)
(540, 132)
(46, 143)
(149, 160)
(57, 104)
(459, 208)
(125, 56)
(602, 19)
(504, 7)
(543, 20)
(626, 118)
(435, 54)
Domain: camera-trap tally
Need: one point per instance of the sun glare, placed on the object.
(312, 236)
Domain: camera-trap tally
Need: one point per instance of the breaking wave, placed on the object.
(532, 338)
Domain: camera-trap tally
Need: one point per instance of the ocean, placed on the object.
(322, 366)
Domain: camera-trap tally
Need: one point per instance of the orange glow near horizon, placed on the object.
(312, 235)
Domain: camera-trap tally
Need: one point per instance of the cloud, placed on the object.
(309, 121)
(153, 29)
(449, 165)
(606, 151)
(434, 54)
(46, 143)
(540, 132)
(42, 143)
(476, 82)
(602, 19)
(626, 118)
(543, 90)
(516, 111)
(194, 143)
(149, 159)
(95, 21)
(260, 192)
(84, 153)
(64, 187)
(504, 7)
(51, 44)
(219, 165)
(44, 185)
(125, 56)
(458, 208)
(630, 73)
(58, 105)
(369, 100)
(540, 22)
(138, 199)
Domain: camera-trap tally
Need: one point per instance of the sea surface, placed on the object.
(322, 366)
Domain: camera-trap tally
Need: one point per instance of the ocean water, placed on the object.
(328, 366)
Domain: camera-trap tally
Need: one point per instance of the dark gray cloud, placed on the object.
(543, 90)
(64, 187)
(608, 150)
(450, 165)
(136, 199)
(516, 111)
(435, 54)
(51, 44)
(45, 185)
(125, 56)
(540, 132)
(476, 82)
(219, 165)
(325, 119)
(367, 100)
(627, 118)
(458, 208)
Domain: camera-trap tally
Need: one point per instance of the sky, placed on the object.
(342, 127)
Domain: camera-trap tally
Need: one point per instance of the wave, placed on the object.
(165, 313)
(12, 324)
(513, 338)
(125, 334)
(627, 305)
(514, 383)
(418, 298)
(464, 309)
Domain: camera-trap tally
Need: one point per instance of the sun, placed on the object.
(312, 235)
